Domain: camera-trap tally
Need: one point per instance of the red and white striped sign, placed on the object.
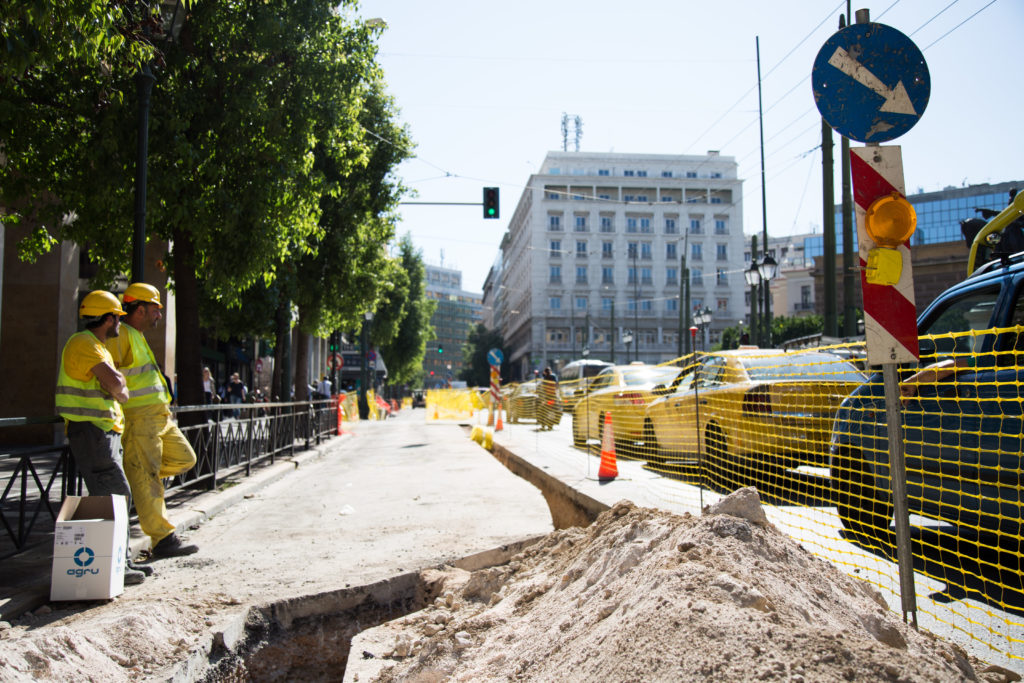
(495, 384)
(890, 314)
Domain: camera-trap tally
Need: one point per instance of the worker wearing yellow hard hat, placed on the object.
(154, 447)
(89, 395)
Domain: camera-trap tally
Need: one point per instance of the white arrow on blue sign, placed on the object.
(870, 82)
(495, 357)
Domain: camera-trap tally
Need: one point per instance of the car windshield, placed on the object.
(820, 367)
(649, 375)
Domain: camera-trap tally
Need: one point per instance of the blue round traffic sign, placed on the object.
(870, 82)
(495, 357)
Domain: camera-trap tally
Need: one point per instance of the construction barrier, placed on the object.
(808, 428)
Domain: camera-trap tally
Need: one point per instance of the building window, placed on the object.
(691, 174)
(716, 174)
(581, 303)
(606, 250)
(606, 224)
(556, 335)
(671, 306)
(555, 303)
(670, 251)
(603, 171)
(628, 173)
(722, 252)
(581, 248)
(716, 200)
(646, 305)
(722, 304)
(666, 174)
(645, 250)
(581, 223)
(666, 198)
(721, 276)
(607, 275)
(697, 277)
(720, 228)
(696, 252)
(645, 276)
(645, 225)
(627, 197)
(606, 303)
(555, 274)
(695, 228)
(631, 250)
(670, 226)
(631, 305)
(556, 247)
(641, 174)
(671, 275)
(641, 198)
(581, 275)
(631, 225)
(552, 195)
(554, 222)
(631, 276)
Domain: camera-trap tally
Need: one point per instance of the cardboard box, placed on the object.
(89, 548)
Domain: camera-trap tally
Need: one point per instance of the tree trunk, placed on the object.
(282, 318)
(187, 352)
(302, 364)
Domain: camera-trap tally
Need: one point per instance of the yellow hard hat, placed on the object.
(99, 303)
(140, 291)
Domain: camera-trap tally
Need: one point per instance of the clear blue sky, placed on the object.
(482, 87)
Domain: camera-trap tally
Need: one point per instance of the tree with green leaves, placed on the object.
(403, 352)
(476, 370)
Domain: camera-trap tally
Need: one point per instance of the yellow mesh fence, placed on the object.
(808, 429)
(451, 404)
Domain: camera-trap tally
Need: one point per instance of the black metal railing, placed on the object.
(227, 439)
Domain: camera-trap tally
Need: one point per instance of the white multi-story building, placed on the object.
(595, 249)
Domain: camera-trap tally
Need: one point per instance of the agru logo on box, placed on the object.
(83, 558)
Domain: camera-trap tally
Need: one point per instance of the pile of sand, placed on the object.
(647, 595)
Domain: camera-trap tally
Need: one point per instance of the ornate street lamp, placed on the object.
(767, 270)
(753, 277)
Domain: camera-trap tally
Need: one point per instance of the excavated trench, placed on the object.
(308, 638)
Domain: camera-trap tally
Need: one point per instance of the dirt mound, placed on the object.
(643, 594)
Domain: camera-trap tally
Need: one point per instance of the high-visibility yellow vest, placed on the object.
(145, 382)
(79, 401)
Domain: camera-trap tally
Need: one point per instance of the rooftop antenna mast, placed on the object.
(579, 130)
(565, 132)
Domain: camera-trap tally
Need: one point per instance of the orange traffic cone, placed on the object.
(498, 427)
(608, 469)
(435, 413)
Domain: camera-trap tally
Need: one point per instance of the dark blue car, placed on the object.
(962, 426)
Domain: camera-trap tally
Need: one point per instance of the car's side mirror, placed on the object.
(926, 348)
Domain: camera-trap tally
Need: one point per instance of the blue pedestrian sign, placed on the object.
(495, 357)
(870, 82)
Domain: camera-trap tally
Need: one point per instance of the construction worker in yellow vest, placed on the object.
(89, 395)
(154, 447)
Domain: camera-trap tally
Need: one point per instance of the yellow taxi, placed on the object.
(622, 391)
(751, 407)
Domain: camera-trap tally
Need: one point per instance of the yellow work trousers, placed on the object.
(154, 448)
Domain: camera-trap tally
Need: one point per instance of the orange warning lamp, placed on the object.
(890, 220)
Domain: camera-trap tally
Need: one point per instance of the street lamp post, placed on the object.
(753, 278)
(627, 339)
(364, 405)
(767, 270)
(702, 318)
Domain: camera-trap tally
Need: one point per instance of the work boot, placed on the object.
(171, 546)
(133, 577)
(144, 568)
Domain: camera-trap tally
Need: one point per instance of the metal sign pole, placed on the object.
(898, 483)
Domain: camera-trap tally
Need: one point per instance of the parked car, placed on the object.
(749, 408)
(962, 422)
(575, 379)
(622, 391)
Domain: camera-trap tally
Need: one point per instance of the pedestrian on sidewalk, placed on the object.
(236, 392)
(154, 447)
(89, 395)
